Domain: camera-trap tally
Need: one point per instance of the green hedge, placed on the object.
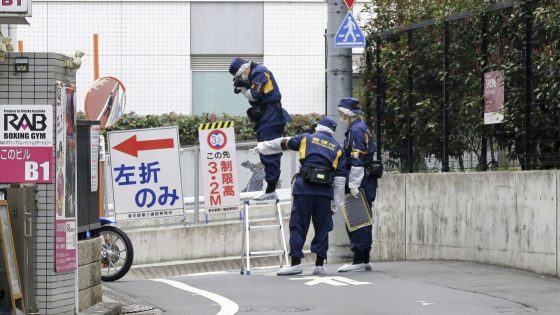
(188, 124)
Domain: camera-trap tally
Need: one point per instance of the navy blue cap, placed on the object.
(236, 64)
(328, 122)
(351, 104)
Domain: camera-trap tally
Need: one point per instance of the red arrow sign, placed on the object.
(131, 146)
(349, 3)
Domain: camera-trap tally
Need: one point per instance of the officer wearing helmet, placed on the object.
(359, 149)
(256, 83)
(318, 190)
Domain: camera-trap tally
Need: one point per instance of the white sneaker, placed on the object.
(369, 267)
(290, 271)
(319, 270)
(357, 267)
(267, 196)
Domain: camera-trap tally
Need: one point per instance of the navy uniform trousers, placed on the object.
(271, 162)
(304, 208)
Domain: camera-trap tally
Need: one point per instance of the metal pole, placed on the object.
(339, 63)
(528, 148)
(339, 84)
(196, 184)
(445, 153)
(410, 144)
(484, 51)
(378, 98)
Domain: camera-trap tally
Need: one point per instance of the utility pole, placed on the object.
(339, 64)
(339, 85)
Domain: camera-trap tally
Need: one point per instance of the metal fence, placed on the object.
(427, 85)
(193, 190)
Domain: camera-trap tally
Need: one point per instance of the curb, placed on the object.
(178, 268)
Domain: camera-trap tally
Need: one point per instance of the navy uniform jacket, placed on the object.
(318, 149)
(265, 92)
(359, 148)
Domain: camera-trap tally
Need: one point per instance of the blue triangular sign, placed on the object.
(349, 33)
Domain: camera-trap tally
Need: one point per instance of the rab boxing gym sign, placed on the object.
(26, 143)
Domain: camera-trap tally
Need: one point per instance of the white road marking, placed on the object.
(334, 281)
(424, 303)
(227, 306)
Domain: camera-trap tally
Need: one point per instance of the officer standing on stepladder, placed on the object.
(322, 168)
(256, 83)
(359, 149)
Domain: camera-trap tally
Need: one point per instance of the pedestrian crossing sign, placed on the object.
(349, 34)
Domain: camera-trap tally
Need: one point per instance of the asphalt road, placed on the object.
(423, 287)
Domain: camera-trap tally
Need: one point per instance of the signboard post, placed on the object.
(349, 34)
(26, 143)
(146, 173)
(493, 97)
(219, 167)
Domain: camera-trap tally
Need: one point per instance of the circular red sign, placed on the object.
(216, 139)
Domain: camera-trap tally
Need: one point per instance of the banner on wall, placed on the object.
(65, 179)
(26, 143)
(493, 97)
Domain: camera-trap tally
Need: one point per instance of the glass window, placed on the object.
(212, 92)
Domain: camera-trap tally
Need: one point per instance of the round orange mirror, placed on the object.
(105, 101)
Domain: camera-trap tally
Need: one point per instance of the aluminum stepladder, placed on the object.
(246, 253)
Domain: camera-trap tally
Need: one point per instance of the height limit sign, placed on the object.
(219, 166)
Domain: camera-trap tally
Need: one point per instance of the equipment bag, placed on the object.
(255, 112)
(374, 169)
(317, 176)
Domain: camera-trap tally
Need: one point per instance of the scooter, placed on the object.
(117, 253)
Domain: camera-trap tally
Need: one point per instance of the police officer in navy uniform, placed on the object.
(256, 83)
(320, 180)
(359, 149)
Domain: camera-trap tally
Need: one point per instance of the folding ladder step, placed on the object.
(267, 253)
(264, 227)
(261, 202)
(246, 253)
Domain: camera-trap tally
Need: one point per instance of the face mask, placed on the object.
(243, 71)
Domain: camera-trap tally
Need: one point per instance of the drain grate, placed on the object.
(130, 305)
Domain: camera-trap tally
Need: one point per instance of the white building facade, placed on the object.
(173, 56)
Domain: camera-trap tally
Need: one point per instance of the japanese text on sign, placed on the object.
(146, 173)
(219, 165)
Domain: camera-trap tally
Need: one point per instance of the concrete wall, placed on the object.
(205, 241)
(89, 273)
(502, 218)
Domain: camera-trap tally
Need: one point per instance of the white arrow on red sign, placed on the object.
(349, 3)
(131, 146)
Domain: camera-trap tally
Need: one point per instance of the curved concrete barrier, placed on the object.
(501, 218)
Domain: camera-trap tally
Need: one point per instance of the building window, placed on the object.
(212, 92)
(239, 33)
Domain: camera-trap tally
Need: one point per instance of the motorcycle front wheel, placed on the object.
(116, 253)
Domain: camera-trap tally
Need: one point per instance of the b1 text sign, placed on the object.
(146, 173)
(26, 143)
(15, 6)
(219, 166)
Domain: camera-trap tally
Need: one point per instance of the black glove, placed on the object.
(236, 90)
(239, 82)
